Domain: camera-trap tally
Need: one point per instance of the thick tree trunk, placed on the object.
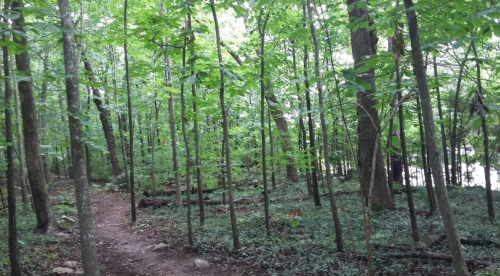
(104, 116)
(364, 43)
(87, 240)
(430, 135)
(15, 269)
(43, 209)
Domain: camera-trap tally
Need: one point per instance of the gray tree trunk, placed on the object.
(43, 209)
(87, 240)
(432, 144)
(364, 44)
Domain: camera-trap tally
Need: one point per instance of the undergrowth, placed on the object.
(302, 240)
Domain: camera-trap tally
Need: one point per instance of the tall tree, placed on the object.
(87, 240)
(15, 269)
(324, 130)
(130, 118)
(225, 129)
(430, 137)
(364, 45)
(481, 109)
(46, 222)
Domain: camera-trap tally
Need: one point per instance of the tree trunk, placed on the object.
(443, 132)
(312, 145)
(425, 165)
(453, 137)
(196, 135)
(104, 116)
(487, 177)
(364, 43)
(43, 119)
(15, 269)
(87, 240)
(130, 118)
(232, 211)
(430, 135)
(43, 209)
(184, 135)
(324, 129)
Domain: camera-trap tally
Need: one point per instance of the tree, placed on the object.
(43, 209)
(430, 137)
(225, 129)
(107, 127)
(364, 44)
(15, 268)
(87, 240)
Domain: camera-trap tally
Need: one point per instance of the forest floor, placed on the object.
(302, 241)
(126, 250)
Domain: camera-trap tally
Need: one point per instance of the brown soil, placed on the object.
(125, 251)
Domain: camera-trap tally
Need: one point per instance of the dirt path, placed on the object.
(124, 252)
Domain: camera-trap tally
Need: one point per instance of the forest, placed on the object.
(261, 137)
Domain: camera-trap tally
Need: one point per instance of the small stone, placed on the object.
(62, 235)
(70, 264)
(160, 246)
(62, 271)
(199, 263)
(68, 219)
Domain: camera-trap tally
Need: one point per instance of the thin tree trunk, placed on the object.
(312, 146)
(324, 129)
(43, 121)
(196, 135)
(262, 32)
(487, 177)
(130, 118)
(423, 152)
(120, 124)
(104, 116)
(186, 140)
(453, 137)
(232, 211)
(409, 193)
(15, 268)
(87, 240)
(443, 132)
(171, 123)
(271, 149)
(20, 150)
(430, 134)
(45, 217)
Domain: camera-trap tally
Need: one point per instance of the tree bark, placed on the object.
(364, 44)
(43, 120)
(430, 135)
(87, 240)
(43, 210)
(104, 116)
(443, 132)
(15, 269)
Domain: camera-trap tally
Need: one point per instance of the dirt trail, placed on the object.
(124, 252)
